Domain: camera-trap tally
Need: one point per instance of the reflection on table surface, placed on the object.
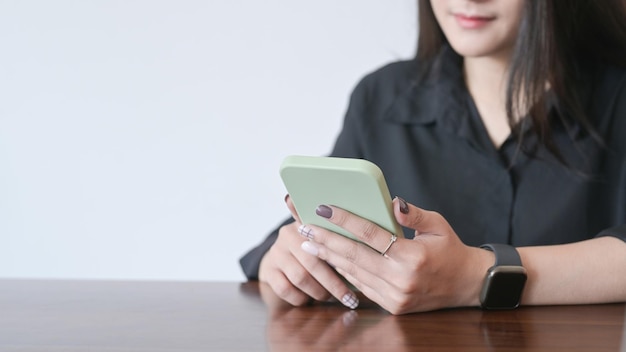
(329, 327)
(82, 315)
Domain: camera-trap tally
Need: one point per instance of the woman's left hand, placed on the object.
(431, 271)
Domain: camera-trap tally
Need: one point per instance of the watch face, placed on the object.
(503, 287)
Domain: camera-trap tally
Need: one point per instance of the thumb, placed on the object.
(418, 219)
(292, 208)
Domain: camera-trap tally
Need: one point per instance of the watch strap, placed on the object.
(505, 280)
(505, 254)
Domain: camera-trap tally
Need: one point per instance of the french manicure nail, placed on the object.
(306, 231)
(324, 211)
(350, 300)
(309, 247)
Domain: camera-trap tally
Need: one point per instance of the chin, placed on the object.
(474, 50)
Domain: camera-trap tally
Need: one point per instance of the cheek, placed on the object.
(509, 31)
(513, 20)
(439, 9)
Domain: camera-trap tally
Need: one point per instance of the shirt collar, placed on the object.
(436, 95)
(440, 96)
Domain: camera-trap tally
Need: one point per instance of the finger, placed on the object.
(364, 230)
(284, 272)
(313, 276)
(372, 291)
(420, 220)
(385, 294)
(381, 279)
(292, 208)
(298, 267)
(276, 304)
(286, 290)
(302, 278)
(356, 259)
(327, 277)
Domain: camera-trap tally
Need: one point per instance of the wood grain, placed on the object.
(56, 315)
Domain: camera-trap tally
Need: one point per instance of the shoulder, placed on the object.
(398, 72)
(607, 102)
(610, 81)
(413, 81)
(387, 81)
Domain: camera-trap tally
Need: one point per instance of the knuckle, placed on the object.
(351, 253)
(438, 216)
(282, 288)
(394, 309)
(299, 278)
(402, 308)
(285, 229)
(400, 304)
(416, 264)
(408, 288)
(352, 270)
(340, 218)
(419, 216)
(368, 232)
(286, 232)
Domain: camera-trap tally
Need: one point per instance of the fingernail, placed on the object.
(286, 197)
(309, 247)
(324, 211)
(306, 231)
(350, 300)
(404, 206)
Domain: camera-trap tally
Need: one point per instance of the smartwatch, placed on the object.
(504, 282)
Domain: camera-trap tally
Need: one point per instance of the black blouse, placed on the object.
(429, 140)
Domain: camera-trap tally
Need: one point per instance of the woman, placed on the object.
(509, 127)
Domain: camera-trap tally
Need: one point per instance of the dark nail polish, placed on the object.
(286, 197)
(404, 206)
(324, 211)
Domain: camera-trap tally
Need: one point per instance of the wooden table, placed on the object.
(40, 315)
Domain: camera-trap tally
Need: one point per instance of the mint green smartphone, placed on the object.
(355, 185)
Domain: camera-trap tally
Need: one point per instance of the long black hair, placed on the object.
(556, 38)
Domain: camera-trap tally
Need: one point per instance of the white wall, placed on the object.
(141, 139)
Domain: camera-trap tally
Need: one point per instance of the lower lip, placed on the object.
(472, 22)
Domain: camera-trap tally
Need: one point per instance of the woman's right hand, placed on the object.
(295, 275)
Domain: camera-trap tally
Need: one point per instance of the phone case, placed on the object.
(355, 185)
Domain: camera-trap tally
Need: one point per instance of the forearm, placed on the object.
(591, 271)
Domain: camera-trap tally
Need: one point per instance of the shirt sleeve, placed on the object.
(618, 232)
(618, 145)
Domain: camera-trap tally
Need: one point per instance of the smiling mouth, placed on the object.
(471, 21)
